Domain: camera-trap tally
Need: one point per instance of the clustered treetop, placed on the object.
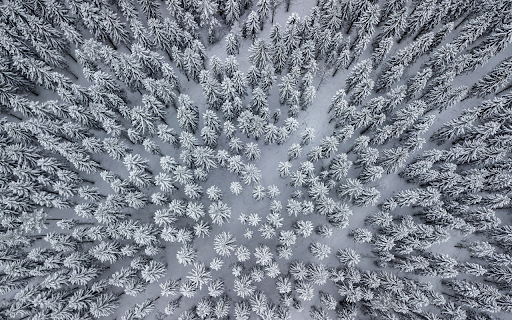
(121, 133)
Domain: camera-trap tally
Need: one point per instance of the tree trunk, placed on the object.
(351, 24)
(65, 138)
(421, 32)
(322, 78)
(70, 72)
(381, 21)
(69, 54)
(351, 61)
(504, 89)
(111, 43)
(335, 71)
(450, 295)
(15, 116)
(33, 91)
(366, 129)
(78, 223)
(168, 54)
(463, 20)
(402, 37)
(354, 43)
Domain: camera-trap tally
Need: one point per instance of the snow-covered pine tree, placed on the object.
(360, 72)
(259, 54)
(497, 79)
(188, 114)
(251, 27)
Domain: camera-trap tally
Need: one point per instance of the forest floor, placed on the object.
(316, 117)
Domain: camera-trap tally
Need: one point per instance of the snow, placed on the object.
(315, 117)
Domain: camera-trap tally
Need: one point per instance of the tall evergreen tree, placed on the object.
(231, 11)
(494, 80)
(359, 73)
(251, 26)
(188, 115)
(259, 54)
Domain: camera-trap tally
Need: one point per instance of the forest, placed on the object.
(256, 159)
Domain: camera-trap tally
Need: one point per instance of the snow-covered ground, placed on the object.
(393, 300)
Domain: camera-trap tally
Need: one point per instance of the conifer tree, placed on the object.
(104, 304)
(462, 186)
(366, 22)
(251, 26)
(274, 5)
(360, 72)
(188, 114)
(259, 54)
(494, 80)
(231, 11)
(381, 51)
(419, 17)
